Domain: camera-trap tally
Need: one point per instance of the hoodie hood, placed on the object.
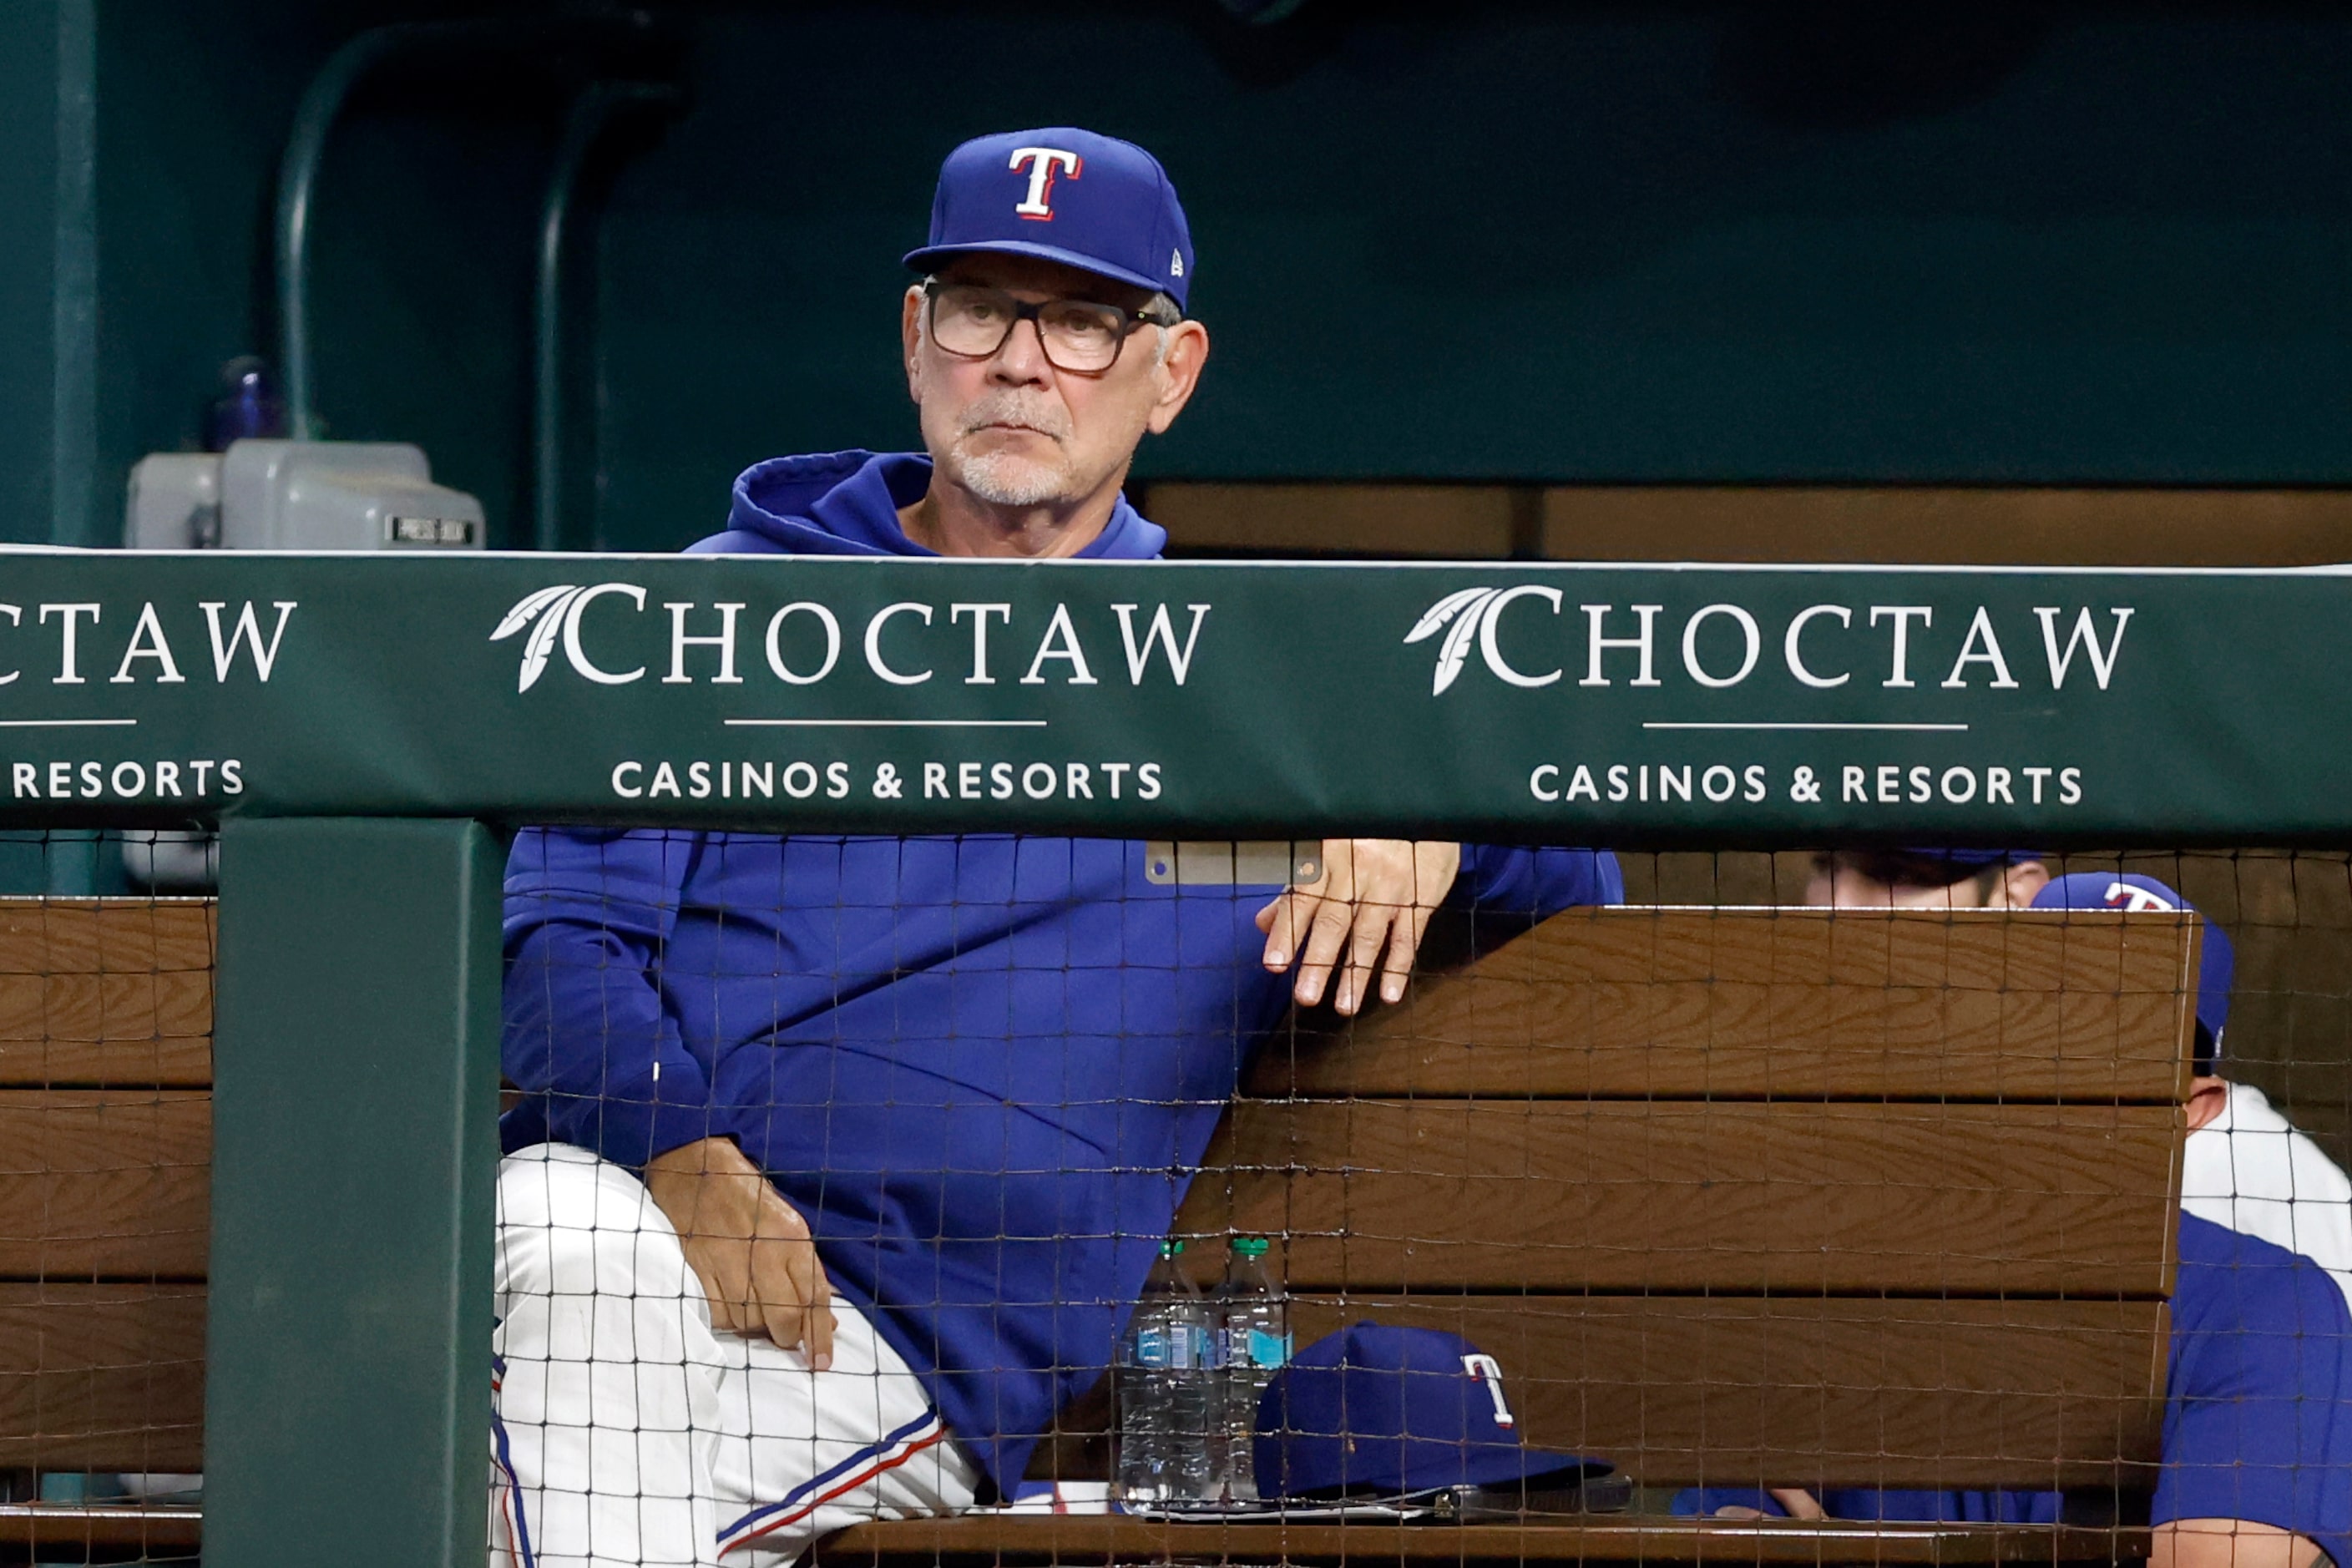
(847, 503)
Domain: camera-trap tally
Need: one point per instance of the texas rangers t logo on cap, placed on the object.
(1486, 1369)
(1118, 218)
(2138, 901)
(1042, 162)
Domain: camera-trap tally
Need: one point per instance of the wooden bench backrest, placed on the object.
(1732, 1194)
(1758, 1196)
(106, 1019)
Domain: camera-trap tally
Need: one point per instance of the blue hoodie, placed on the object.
(981, 1067)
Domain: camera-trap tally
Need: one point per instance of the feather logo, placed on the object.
(1465, 608)
(550, 614)
(546, 607)
(1470, 616)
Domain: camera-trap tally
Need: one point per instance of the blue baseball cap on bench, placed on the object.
(1375, 1410)
(2216, 969)
(1075, 197)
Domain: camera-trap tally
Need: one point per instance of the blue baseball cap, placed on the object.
(2215, 970)
(1088, 201)
(1379, 1410)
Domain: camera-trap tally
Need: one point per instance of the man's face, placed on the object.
(1016, 431)
(1846, 882)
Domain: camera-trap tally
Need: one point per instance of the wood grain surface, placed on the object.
(1734, 1195)
(101, 1377)
(1861, 1392)
(106, 992)
(105, 1184)
(105, 936)
(2083, 1004)
(1109, 1539)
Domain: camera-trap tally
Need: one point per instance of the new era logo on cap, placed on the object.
(1111, 206)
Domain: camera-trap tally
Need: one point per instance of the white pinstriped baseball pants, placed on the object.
(628, 1432)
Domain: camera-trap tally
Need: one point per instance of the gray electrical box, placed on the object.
(298, 495)
(279, 495)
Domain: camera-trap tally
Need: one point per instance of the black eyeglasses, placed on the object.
(1081, 336)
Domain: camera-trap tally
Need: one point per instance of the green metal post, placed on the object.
(347, 1400)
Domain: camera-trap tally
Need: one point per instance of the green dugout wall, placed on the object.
(1493, 240)
(364, 727)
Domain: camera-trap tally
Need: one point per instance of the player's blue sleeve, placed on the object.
(1501, 880)
(586, 1038)
(2258, 1424)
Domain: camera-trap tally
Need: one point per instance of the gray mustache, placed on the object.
(1004, 408)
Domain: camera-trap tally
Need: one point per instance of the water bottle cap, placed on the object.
(1250, 1245)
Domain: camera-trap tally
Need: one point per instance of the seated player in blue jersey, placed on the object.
(841, 1162)
(2257, 1441)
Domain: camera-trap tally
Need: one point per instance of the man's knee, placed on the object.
(569, 1223)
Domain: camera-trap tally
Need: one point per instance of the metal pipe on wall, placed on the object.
(298, 179)
(322, 106)
(589, 114)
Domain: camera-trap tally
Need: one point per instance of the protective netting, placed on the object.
(1661, 1191)
(105, 1144)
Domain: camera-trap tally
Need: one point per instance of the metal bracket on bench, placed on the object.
(1226, 863)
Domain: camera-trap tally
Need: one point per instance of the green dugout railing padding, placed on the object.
(1769, 705)
(364, 728)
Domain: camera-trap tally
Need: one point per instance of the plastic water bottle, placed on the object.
(1254, 1343)
(1167, 1394)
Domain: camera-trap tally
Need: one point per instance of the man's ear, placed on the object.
(2208, 1098)
(910, 341)
(1178, 373)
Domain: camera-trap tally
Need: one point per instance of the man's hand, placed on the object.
(1373, 892)
(1797, 1503)
(749, 1248)
(2230, 1543)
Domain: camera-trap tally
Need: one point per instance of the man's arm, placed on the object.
(586, 1033)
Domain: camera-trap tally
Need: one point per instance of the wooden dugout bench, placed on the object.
(106, 1022)
(1736, 1197)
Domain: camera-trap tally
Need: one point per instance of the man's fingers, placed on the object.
(820, 1327)
(1800, 1503)
(726, 1283)
(1371, 930)
(1284, 922)
(794, 1294)
(780, 1320)
(780, 1289)
(815, 1297)
(1324, 938)
(1404, 945)
(710, 1289)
